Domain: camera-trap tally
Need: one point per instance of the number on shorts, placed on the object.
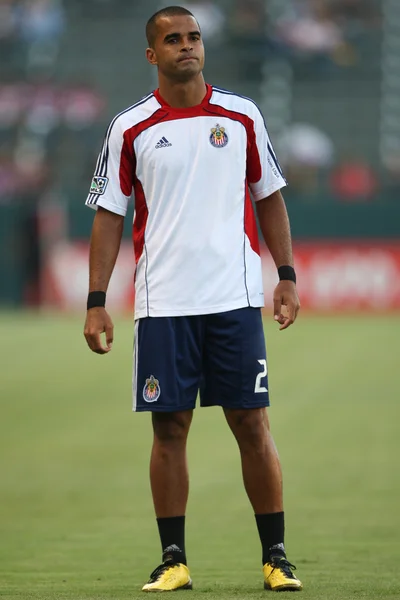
(259, 389)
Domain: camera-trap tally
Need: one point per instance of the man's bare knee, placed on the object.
(249, 426)
(171, 428)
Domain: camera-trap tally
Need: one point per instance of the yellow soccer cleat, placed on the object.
(169, 577)
(279, 577)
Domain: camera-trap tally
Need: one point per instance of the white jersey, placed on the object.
(190, 171)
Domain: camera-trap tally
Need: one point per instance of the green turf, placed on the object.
(76, 519)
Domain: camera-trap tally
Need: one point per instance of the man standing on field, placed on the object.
(190, 153)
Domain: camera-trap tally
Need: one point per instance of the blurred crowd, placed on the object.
(30, 33)
(325, 33)
(42, 124)
(50, 121)
(320, 33)
(45, 120)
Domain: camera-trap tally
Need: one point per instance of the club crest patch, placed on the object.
(218, 137)
(99, 185)
(151, 390)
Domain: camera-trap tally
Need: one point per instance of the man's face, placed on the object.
(178, 48)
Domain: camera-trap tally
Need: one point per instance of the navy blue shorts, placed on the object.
(222, 355)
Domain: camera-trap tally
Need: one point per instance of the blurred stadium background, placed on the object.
(76, 514)
(326, 74)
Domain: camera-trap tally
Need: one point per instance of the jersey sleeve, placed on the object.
(264, 173)
(111, 186)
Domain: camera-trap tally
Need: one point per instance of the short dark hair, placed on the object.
(169, 11)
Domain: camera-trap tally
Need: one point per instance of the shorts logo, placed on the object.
(99, 185)
(152, 390)
(218, 137)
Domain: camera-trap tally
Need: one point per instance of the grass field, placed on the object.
(76, 519)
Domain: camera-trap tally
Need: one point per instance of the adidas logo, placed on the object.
(173, 548)
(163, 143)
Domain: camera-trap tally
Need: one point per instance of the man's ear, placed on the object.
(151, 56)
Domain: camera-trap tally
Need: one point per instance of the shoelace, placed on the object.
(284, 565)
(160, 570)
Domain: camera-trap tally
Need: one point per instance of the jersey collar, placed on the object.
(188, 109)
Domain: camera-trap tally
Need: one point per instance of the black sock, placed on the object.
(271, 528)
(172, 535)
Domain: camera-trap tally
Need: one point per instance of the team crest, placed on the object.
(152, 390)
(218, 137)
(98, 185)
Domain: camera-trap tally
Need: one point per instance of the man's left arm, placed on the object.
(275, 228)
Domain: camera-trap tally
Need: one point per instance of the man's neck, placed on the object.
(183, 95)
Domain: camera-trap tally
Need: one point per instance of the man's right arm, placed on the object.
(104, 247)
(110, 191)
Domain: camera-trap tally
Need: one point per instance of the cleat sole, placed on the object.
(283, 588)
(187, 586)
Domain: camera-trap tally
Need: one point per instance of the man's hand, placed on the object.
(98, 321)
(286, 295)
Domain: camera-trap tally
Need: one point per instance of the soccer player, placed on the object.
(190, 154)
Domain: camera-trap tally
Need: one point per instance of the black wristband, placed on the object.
(287, 273)
(96, 299)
